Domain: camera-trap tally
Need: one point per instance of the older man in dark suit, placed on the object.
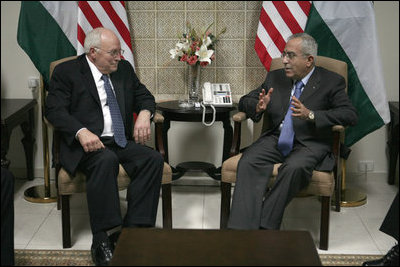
(91, 101)
(303, 102)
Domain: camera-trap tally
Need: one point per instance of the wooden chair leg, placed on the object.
(225, 204)
(324, 231)
(58, 202)
(65, 221)
(58, 195)
(338, 195)
(166, 206)
(338, 190)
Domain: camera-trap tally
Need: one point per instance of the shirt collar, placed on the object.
(307, 77)
(95, 72)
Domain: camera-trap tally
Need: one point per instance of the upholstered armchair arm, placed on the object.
(239, 117)
(338, 138)
(338, 128)
(237, 130)
(158, 120)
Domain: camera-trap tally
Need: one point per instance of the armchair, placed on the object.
(322, 184)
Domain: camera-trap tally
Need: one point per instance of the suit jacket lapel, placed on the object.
(285, 96)
(311, 86)
(119, 94)
(88, 79)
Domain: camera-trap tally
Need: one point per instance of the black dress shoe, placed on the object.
(390, 259)
(113, 240)
(102, 254)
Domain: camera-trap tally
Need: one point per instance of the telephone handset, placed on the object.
(215, 94)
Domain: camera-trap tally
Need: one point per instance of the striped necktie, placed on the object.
(118, 125)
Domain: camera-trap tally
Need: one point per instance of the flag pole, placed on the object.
(46, 193)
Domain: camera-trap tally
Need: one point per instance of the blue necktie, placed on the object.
(118, 125)
(285, 142)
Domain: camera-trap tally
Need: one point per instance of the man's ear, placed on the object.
(310, 61)
(92, 52)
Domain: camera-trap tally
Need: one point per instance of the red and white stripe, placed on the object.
(107, 14)
(279, 20)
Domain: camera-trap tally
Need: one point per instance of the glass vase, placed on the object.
(194, 82)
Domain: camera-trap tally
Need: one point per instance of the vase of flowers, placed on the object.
(197, 51)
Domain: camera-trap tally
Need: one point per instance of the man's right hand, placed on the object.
(263, 100)
(89, 141)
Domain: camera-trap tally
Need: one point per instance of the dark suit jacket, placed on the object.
(324, 94)
(73, 103)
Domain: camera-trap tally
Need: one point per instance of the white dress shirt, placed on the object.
(108, 129)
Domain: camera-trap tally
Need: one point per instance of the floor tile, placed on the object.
(196, 205)
(212, 207)
(25, 227)
(187, 207)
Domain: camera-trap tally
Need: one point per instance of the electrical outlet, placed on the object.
(365, 165)
(33, 82)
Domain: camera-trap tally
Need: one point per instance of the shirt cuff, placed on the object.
(76, 135)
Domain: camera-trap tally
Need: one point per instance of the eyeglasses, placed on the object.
(113, 53)
(290, 55)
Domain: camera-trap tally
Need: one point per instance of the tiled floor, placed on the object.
(196, 205)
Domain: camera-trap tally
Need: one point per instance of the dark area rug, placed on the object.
(24, 257)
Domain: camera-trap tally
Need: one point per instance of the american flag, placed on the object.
(108, 14)
(279, 20)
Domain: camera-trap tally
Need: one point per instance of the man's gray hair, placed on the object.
(308, 45)
(93, 39)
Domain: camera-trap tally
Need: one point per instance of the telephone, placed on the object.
(215, 95)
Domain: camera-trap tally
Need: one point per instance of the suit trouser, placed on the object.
(143, 165)
(252, 206)
(390, 224)
(7, 217)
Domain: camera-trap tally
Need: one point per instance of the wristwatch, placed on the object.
(311, 115)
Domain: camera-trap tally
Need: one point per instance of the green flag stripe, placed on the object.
(368, 118)
(41, 37)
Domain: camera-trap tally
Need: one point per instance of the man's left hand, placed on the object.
(142, 131)
(299, 110)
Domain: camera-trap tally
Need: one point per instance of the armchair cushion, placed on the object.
(321, 184)
(69, 185)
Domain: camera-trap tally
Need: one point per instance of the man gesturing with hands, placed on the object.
(303, 102)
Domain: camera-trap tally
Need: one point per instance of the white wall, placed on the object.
(16, 68)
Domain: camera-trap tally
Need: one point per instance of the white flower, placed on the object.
(183, 46)
(175, 53)
(207, 42)
(204, 54)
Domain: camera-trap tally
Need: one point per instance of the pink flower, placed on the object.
(184, 58)
(193, 46)
(203, 63)
(192, 60)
